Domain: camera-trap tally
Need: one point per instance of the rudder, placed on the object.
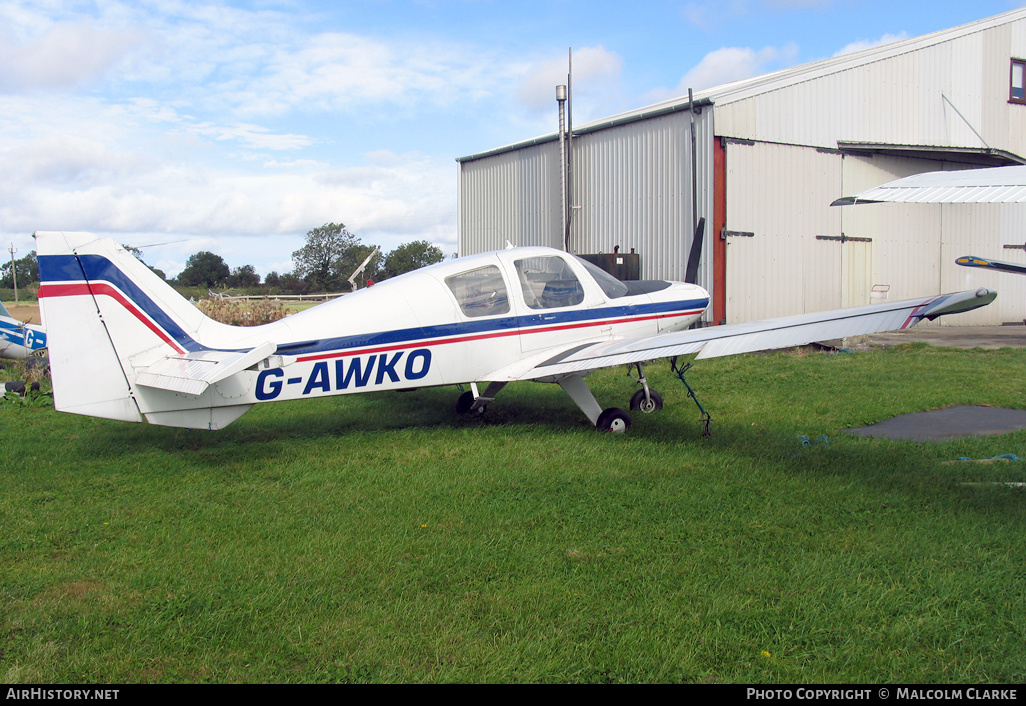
(105, 313)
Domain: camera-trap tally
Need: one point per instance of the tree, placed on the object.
(204, 269)
(293, 285)
(330, 256)
(412, 256)
(26, 269)
(245, 276)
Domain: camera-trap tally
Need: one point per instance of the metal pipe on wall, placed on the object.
(561, 100)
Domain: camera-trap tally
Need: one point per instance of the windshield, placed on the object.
(613, 287)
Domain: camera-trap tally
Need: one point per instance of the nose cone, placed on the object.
(683, 303)
(683, 291)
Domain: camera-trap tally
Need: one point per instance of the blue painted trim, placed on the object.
(95, 268)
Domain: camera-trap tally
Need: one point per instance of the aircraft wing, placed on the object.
(192, 373)
(1000, 265)
(750, 337)
(994, 185)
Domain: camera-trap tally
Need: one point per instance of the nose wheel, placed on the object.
(646, 399)
(652, 402)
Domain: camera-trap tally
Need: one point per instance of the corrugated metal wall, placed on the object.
(983, 230)
(897, 100)
(513, 196)
(630, 187)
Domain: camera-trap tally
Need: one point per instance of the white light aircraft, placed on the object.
(18, 339)
(124, 345)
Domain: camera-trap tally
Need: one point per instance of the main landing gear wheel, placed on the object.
(652, 404)
(466, 402)
(614, 420)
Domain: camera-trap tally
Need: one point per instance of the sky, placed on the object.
(178, 126)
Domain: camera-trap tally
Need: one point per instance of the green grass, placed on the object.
(382, 538)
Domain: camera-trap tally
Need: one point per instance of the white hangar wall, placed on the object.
(939, 90)
(785, 251)
(948, 91)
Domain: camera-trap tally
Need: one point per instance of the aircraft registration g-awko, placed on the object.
(124, 345)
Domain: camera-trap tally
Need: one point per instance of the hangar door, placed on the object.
(778, 201)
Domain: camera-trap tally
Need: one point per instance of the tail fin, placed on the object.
(112, 327)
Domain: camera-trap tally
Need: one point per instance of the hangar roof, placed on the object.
(757, 85)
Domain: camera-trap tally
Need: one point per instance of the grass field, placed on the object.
(382, 538)
(24, 311)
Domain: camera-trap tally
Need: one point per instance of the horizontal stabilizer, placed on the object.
(773, 334)
(192, 373)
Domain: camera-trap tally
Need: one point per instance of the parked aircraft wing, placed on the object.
(192, 373)
(758, 336)
(994, 185)
(1000, 265)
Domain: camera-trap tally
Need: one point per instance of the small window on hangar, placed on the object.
(1017, 82)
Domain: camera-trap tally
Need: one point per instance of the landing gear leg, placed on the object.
(612, 419)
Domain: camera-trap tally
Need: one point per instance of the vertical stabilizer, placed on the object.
(105, 312)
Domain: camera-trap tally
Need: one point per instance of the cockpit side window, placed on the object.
(480, 292)
(613, 287)
(548, 282)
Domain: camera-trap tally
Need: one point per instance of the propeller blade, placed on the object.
(691, 273)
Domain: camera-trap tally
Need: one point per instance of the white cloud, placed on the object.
(863, 44)
(343, 72)
(727, 65)
(159, 121)
(65, 56)
(593, 67)
(255, 136)
(709, 15)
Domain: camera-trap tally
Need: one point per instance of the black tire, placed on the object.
(465, 402)
(15, 386)
(614, 420)
(638, 401)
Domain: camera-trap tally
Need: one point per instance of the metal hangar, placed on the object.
(761, 160)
